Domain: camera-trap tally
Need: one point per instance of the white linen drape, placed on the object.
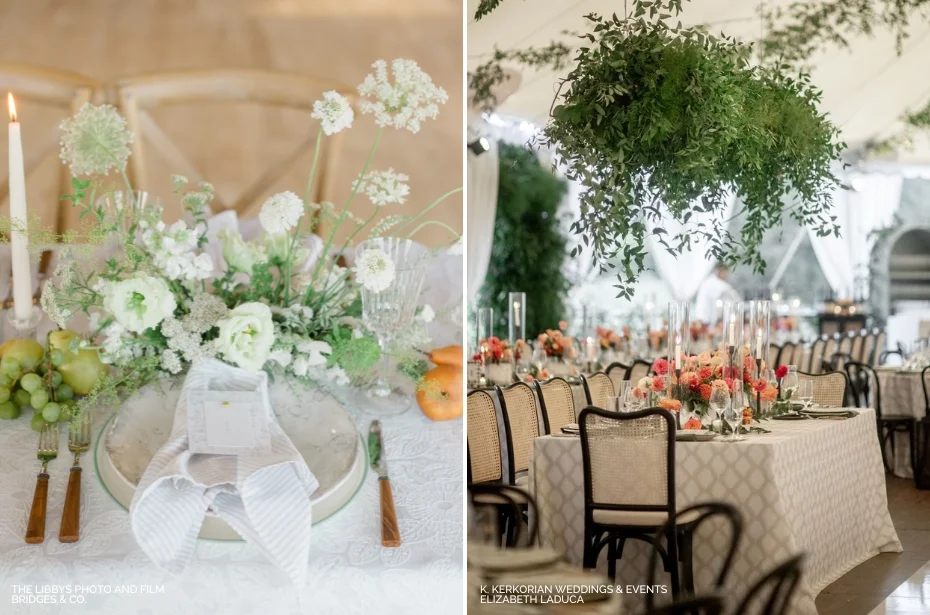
(869, 206)
(483, 171)
(684, 273)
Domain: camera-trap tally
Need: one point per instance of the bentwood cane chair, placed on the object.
(829, 388)
(617, 373)
(814, 364)
(484, 447)
(597, 388)
(629, 485)
(510, 505)
(772, 594)
(557, 403)
(521, 427)
(639, 369)
(865, 391)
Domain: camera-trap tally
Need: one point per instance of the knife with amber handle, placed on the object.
(390, 532)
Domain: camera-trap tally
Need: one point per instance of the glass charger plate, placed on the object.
(317, 424)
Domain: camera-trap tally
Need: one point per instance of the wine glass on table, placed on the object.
(540, 358)
(719, 401)
(733, 415)
(790, 383)
(806, 393)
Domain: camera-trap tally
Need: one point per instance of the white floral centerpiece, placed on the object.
(162, 301)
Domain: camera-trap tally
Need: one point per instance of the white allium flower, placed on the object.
(246, 335)
(315, 351)
(405, 103)
(170, 362)
(427, 314)
(139, 302)
(334, 111)
(281, 357)
(238, 254)
(95, 140)
(374, 270)
(281, 212)
(383, 187)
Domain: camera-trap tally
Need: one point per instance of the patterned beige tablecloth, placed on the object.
(902, 393)
(816, 486)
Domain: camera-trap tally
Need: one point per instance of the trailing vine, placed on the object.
(529, 247)
(485, 77)
(659, 121)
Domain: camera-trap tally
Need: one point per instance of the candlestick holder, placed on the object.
(16, 328)
(516, 320)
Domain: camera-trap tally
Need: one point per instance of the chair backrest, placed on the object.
(879, 348)
(66, 93)
(864, 387)
(557, 403)
(829, 388)
(855, 350)
(772, 594)
(628, 460)
(139, 96)
(484, 444)
(844, 344)
(829, 347)
(924, 376)
(816, 358)
(729, 515)
(616, 372)
(639, 369)
(777, 353)
(597, 388)
(868, 347)
(521, 424)
(797, 356)
(511, 501)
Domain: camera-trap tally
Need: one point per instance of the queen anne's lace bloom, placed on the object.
(334, 112)
(383, 187)
(405, 103)
(95, 140)
(374, 270)
(281, 212)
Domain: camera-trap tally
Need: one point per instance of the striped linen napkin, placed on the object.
(265, 498)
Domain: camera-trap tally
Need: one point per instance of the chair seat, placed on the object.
(639, 518)
(496, 499)
(522, 481)
(896, 418)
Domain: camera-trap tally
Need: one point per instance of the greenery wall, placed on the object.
(529, 248)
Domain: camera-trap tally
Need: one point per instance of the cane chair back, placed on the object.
(829, 388)
(775, 351)
(616, 372)
(484, 443)
(521, 425)
(829, 347)
(855, 350)
(797, 356)
(597, 388)
(815, 365)
(140, 97)
(64, 92)
(879, 349)
(639, 369)
(629, 461)
(845, 343)
(557, 403)
(868, 348)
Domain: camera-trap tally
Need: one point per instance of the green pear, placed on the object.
(82, 371)
(61, 340)
(27, 352)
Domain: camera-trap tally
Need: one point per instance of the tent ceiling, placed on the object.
(866, 89)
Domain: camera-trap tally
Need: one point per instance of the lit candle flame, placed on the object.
(11, 105)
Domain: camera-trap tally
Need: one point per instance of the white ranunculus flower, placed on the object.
(334, 112)
(241, 255)
(374, 270)
(139, 302)
(281, 212)
(246, 335)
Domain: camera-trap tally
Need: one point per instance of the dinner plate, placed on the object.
(826, 411)
(494, 559)
(698, 435)
(790, 417)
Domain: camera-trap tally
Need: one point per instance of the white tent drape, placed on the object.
(870, 205)
(483, 173)
(684, 273)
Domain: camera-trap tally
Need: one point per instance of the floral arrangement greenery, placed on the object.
(485, 7)
(557, 345)
(659, 121)
(697, 379)
(486, 76)
(608, 339)
(529, 245)
(495, 350)
(160, 301)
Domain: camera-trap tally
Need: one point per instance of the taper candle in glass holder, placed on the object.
(516, 321)
(485, 331)
(728, 336)
(758, 331)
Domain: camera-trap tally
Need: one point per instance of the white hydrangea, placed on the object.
(405, 103)
(383, 187)
(374, 270)
(95, 140)
(334, 112)
(281, 212)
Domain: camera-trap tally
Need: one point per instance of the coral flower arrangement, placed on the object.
(558, 346)
(161, 300)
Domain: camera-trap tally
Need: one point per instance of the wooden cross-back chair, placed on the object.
(139, 96)
(64, 91)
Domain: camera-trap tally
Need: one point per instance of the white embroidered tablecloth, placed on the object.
(816, 486)
(350, 573)
(902, 393)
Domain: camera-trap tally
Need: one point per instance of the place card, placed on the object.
(228, 423)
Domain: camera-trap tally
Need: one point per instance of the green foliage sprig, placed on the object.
(529, 248)
(485, 77)
(660, 121)
(485, 7)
